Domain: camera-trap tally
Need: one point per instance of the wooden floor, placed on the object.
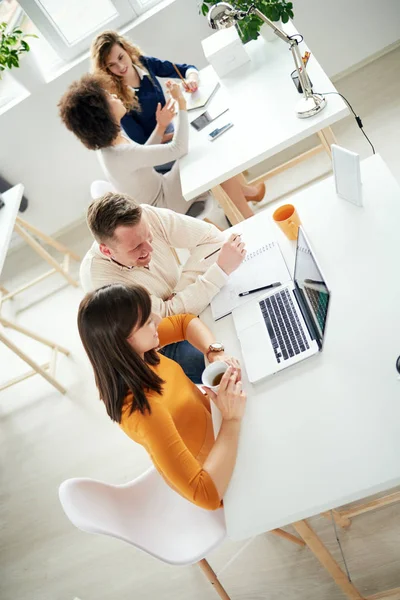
(45, 438)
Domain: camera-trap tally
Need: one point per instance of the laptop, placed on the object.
(286, 325)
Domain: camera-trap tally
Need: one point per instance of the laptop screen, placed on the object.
(311, 285)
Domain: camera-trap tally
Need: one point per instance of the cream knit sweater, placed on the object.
(194, 285)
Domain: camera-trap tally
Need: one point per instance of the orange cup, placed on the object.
(287, 219)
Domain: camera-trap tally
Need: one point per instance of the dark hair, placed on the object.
(110, 211)
(85, 111)
(106, 318)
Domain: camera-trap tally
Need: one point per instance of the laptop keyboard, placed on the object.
(284, 328)
(319, 303)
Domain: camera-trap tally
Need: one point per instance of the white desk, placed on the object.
(9, 221)
(262, 99)
(327, 431)
(12, 199)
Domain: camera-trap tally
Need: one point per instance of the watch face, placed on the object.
(217, 347)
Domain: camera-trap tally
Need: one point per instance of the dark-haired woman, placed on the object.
(94, 115)
(134, 76)
(151, 398)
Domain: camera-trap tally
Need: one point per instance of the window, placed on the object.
(12, 13)
(65, 29)
(70, 25)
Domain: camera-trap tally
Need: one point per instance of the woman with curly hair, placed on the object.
(94, 115)
(135, 82)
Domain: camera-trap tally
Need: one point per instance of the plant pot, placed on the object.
(29, 73)
(267, 33)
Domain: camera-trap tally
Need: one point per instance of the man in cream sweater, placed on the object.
(135, 244)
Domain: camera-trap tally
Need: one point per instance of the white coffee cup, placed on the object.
(211, 372)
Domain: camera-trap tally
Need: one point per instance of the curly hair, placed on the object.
(84, 110)
(100, 50)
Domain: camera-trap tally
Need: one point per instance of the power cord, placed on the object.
(340, 547)
(357, 118)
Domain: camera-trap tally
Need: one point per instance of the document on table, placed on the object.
(202, 96)
(263, 265)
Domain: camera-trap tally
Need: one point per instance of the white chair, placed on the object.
(149, 515)
(100, 187)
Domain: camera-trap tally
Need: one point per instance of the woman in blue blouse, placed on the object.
(135, 79)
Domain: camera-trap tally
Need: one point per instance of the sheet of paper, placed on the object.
(262, 266)
(201, 97)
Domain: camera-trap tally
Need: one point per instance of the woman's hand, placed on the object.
(231, 361)
(165, 114)
(175, 90)
(167, 137)
(192, 82)
(230, 398)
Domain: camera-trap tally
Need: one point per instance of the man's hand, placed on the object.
(165, 114)
(232, 254)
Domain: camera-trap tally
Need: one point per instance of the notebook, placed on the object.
(263, 265)
(202, 96)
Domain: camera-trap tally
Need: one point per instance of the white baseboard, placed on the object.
(365, 62)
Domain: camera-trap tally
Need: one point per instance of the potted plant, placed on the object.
(249, 28)
(13, 46)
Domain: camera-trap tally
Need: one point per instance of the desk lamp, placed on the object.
(223, 15)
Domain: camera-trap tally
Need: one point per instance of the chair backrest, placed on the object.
(100, 187)
(146, 513)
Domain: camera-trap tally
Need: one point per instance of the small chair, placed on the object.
(149, 515)
(100, 187)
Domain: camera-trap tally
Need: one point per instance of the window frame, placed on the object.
(48, 28)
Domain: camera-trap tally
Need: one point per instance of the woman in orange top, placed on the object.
(152, 399)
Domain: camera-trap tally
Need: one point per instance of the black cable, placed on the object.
(295, 36)
(340, 546)
(357, 118)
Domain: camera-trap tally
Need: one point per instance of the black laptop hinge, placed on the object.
(303, 307)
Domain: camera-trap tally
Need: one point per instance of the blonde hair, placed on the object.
(100, 51)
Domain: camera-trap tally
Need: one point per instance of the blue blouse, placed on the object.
(138, 125)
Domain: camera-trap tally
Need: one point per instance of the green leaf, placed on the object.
(25, 46)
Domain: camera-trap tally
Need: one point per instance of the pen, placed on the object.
(218, 249)
(306, 58)
(180, 76)
(265, 287)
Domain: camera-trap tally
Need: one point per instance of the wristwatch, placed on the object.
(215, 347)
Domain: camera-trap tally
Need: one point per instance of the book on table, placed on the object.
(263, 265)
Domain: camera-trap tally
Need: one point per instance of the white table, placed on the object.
(262, 99)
(10, 221)
(327, 431)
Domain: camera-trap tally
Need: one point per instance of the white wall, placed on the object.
(343, 33)
(37, 150)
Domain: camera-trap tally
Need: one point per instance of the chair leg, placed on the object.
(213, 579)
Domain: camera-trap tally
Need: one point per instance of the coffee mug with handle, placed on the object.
(287, 218)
